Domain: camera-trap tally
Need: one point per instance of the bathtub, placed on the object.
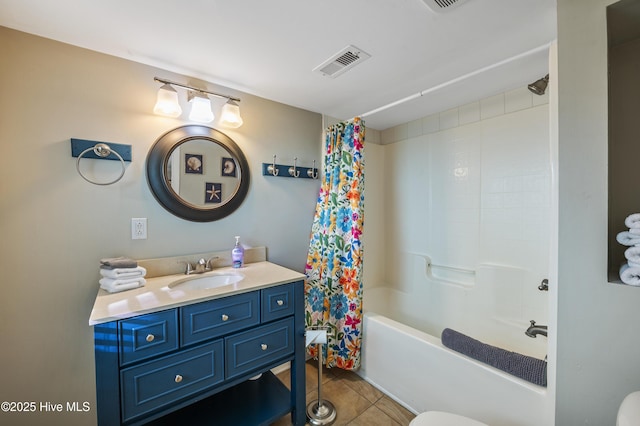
(415, 369)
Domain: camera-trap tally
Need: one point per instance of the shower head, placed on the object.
(539, 86)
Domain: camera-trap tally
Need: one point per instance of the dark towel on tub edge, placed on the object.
(531, 369)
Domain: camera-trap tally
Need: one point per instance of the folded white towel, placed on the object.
(633, 254)
(115, 285)
(123, 272)
(630, 275)
(633, 220)
(627, 239)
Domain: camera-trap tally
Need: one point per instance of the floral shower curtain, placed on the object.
(333, 287)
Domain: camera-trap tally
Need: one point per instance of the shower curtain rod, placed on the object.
(456, 80)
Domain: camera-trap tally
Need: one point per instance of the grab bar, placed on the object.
(451, 268)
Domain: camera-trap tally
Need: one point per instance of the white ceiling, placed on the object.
(270, 47)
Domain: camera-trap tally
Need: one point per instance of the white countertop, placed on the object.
(157, 296)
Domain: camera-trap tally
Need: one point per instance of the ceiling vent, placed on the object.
(342, 62)
(443, 5)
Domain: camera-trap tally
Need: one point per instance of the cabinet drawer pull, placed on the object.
(280, 302)
(225, 317)
(178, 378)
(150, 337)
(263, 346)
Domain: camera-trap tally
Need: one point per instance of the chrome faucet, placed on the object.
(544, 285)
(200, 267)
(534, 330)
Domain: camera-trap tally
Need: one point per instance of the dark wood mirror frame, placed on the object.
(159, 182)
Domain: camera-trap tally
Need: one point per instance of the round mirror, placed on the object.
(197, 173)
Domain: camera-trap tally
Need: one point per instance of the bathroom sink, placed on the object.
(207, 282)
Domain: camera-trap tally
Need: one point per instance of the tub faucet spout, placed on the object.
(534, 330)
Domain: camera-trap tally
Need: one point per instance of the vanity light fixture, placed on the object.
(167, 104)
(200, 107)
(230, 115)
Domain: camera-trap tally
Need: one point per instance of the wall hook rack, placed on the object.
(313, 172)
(272, 169)
(294, 171)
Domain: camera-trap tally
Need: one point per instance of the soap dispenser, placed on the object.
(237, 254)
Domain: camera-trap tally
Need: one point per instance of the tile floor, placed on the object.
(357, 402)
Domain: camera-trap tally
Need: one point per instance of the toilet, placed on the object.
(629, 412)
(628, 415)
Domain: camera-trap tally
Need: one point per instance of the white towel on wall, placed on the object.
(633, 220)
(630, 275)
(627, 239)
(634, 231)
(123, 272)
(120, 284)
(632, 254)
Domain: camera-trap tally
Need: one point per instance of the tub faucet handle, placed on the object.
(544, 285)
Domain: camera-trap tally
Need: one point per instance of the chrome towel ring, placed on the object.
(102, 150)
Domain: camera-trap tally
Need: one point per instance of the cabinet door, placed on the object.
(152, 385)
(147, 335)
(214, 318)
(258, 347)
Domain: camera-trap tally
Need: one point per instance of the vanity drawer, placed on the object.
(214, 318)
(151, 385)
(147, 335)
(257, 347)
(277, 302)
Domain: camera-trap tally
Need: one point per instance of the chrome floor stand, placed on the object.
(321, 411)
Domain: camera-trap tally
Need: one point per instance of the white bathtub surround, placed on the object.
(485, 311)
(465, 219)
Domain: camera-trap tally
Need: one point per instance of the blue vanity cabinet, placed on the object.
(197, 364)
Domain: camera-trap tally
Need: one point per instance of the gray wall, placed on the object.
(597, 339)
(55, 226)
